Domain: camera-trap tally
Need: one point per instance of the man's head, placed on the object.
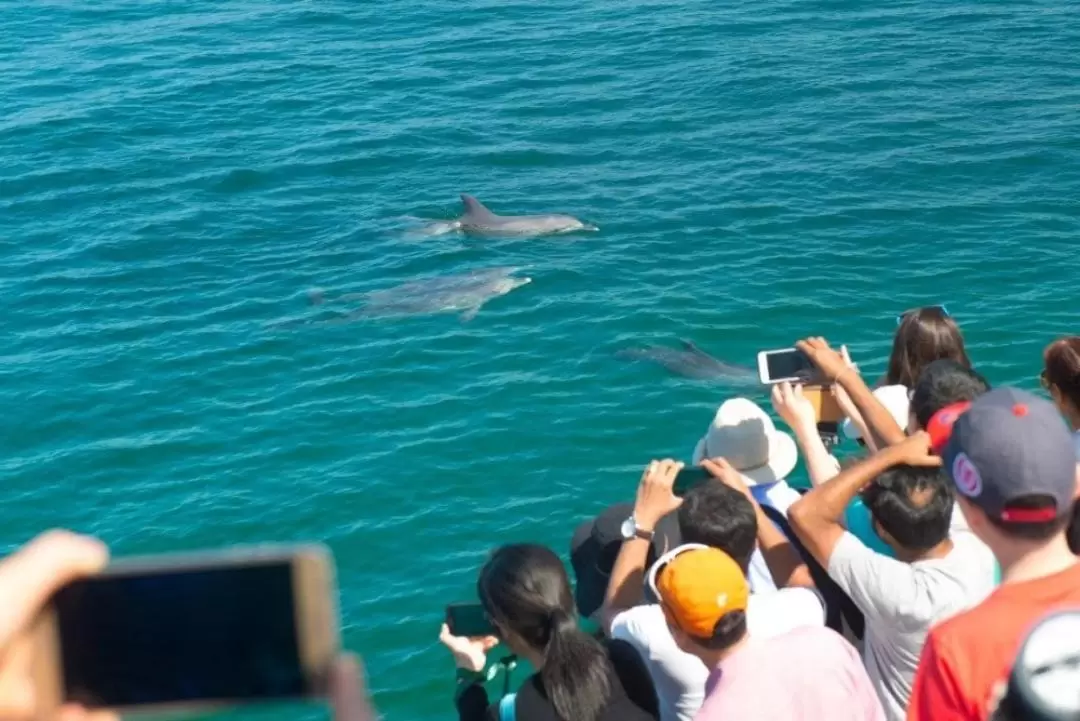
(911, 507)
(704, 595)
(942, 383)
(1011, 459)
(716, 515)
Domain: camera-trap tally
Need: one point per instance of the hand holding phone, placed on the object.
(786, 364)
(469, 620)
(192, 631)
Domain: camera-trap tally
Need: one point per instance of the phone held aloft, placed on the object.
(192, 632)
(786, 364)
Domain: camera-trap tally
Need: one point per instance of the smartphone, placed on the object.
(192, 632)
(788, 364)
(826, 408)
(689, 477)
(469, 619)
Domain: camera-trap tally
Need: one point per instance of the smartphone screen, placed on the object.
(155, 637)
(689, 477)
(469, 619)
(786, 364)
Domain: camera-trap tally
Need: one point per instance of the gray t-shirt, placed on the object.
(901, 601)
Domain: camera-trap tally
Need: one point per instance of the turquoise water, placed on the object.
(175, 176)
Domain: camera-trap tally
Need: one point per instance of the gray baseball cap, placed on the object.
(1011, 445)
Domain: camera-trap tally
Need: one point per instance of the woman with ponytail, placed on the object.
(526, 593)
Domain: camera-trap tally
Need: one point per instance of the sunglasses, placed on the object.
(939, 308)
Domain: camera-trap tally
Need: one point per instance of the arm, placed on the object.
(655, 499)
(816, 517)
(798, 412)
(788, 569)
(884, 429)
(852, 413)
(785, 564)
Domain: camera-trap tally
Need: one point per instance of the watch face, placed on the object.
(629, 528)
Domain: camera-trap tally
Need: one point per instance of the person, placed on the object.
(719, 514)
(28, 579)
(808, 673)
(1011, 460)
(943, 383)
(1061, 377)
(526, 593)
(937, 568)
(895, 399)
(744, 435)
(923, 336)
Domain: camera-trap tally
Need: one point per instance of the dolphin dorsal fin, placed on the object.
(474, 207)
(690, 345)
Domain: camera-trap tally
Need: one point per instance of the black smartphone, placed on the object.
(193, 632)
(469, 619)
(689, 477)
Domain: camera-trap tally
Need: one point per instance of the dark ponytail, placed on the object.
(525, 588)
(576, 672)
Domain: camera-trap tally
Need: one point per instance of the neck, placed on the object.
(712, 659)
(939, 551)
(1028, 562)
(535, 658)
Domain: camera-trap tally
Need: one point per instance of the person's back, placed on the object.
(631, 694)
(809, 673)
(1010, 457)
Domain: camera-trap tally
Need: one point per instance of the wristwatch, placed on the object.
(630, 530)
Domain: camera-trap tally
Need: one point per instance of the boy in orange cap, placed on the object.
(808, 674)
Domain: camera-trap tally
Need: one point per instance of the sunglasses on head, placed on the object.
(939, 308)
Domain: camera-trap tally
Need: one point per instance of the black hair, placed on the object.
(1035, 530)
(718, 516)
(524, 588)
(941, 384)
(729, 630)
(913, 504)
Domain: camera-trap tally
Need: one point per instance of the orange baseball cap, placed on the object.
(699, 586)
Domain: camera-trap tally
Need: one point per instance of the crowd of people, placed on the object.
(900, 585)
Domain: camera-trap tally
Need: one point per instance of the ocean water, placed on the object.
(174, 178)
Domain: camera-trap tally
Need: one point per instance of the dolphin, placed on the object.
(464, 292)
(478, 220)
(691, 362)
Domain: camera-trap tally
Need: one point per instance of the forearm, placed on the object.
(626, 586)
(827, 503)
(785, 564)
(820, 464)
(883, 428)
(471, 701)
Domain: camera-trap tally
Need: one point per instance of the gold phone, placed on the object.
(826, 409)
(192, 632)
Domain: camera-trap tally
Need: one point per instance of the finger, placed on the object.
(32, 574)
(776, 395)
(444, 634)
(489, 642)
(348, 693)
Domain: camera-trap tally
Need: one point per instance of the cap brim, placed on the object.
(783, 457)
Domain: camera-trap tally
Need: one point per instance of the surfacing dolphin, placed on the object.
(478, 220)
(691, 362)
(464, 292)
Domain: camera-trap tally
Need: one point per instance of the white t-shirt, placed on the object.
(679, 677)
(780, 496)
(1076, 445)
(901, 601)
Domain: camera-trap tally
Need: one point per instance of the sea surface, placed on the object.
(175, 177)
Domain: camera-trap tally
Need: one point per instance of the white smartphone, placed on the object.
(786, 364)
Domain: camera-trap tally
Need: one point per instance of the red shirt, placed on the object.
(965, 656)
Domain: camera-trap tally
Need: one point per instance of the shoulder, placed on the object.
(778, 611)
(624, 656)
(781, 496)
(639, 623)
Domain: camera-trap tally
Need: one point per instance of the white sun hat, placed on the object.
(744, 435)
(896, 402)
